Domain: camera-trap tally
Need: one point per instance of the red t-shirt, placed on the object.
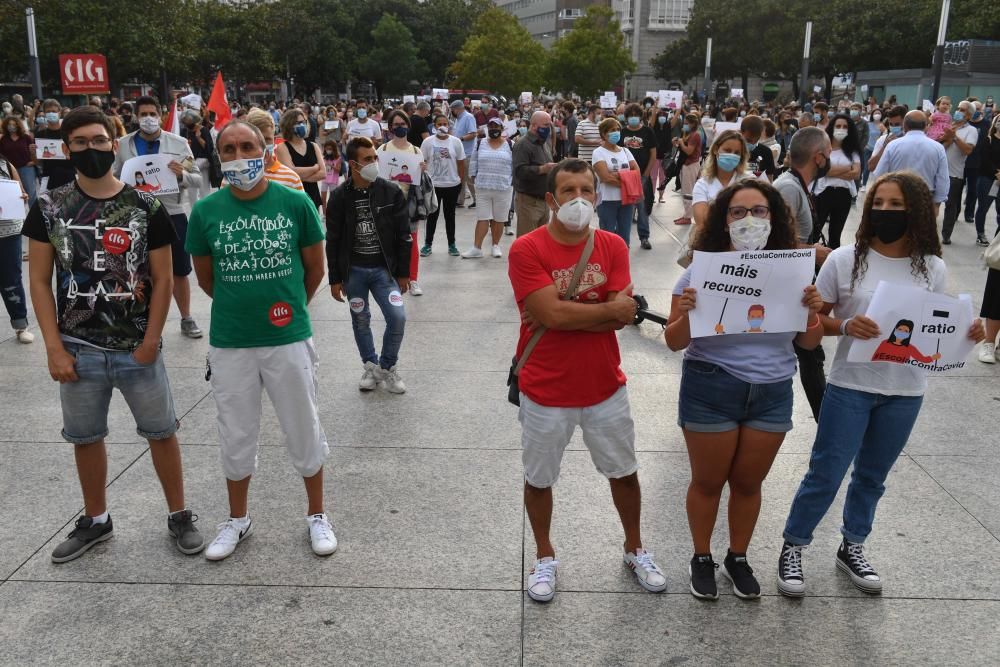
(569, 369)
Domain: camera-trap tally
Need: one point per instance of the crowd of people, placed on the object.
(283, 195)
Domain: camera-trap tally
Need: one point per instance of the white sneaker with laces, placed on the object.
(497, 252)
(370, 378)
(231, 532)
(391, 381)
(472, 253)
(988, 353)
(25, 337)
(324, 542)
(542, 580)
(647, 573)
(415, 288)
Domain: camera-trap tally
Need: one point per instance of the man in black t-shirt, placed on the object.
(761, 158)
(110, 245)
(641, 141)
(418, 122)
(58, 171)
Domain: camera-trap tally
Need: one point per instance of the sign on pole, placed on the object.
(84, 74)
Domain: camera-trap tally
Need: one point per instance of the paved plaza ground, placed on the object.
(424, 490)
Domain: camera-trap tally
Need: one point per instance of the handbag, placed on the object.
(991, 256)
(513, 388)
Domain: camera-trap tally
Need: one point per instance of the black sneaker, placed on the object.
(81, 538)
(791, 581)
(970, 220)
(181, 526)
(473, 204)
(646, 245)
(982, 240)
(945, 241)
(738, 571)
(851, 560)
(702, 571)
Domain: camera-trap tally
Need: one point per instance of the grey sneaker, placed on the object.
(181, 526)
(81, 538)
(190, 328)
(391, 381)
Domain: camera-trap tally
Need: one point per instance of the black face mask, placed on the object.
(400, 131)
(888, 226)
(494, 134)
(92, 163)
(824, 170)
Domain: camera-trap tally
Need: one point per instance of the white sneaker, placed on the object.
(988, 353)
(231, 532)
(390, 380)
(472, 253)
(415, 288)
(497, 252)
(647, 573)
(370, 378)
(324, 542)
(508, 231)
(24, 336)
(542, 580)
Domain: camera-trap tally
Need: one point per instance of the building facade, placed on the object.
(547, 20)
(649, 26)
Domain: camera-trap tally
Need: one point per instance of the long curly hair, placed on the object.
(713, 236)
(851, 145)
(921, 229)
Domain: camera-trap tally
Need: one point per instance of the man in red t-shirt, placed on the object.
(573, 376)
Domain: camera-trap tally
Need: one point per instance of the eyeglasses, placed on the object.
(81, 144)
(740, 212)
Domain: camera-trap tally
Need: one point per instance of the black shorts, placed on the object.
(182, 260)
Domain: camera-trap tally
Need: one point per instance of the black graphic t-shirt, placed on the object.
(641, 143)
(367, 251)
(102, 250)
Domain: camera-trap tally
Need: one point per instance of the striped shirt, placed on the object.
(279, 173)
(586, 130)
(492, 167)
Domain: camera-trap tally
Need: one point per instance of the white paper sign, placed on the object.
(817, 89)
(750, 292)
(192, 101)
(737, 93)
(722, 126)
(49, 149)
(150, 173)
(671, 99)
(400, 167)
(919, 328)
(11, 204)
(927, 106)
(477, 104)
(439, 93)
(331, 124)
(652, 93)
(510, 128)
(409, 98)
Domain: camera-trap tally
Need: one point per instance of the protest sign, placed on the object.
(477, 104)
(652, 93)
(510, 128)
(817, 89)
(737, 93)
(722, 126)
(750, 291)
(49, 149)
(400, 167)
(11, 203)
(526, 97)
(671, 99)
(150, 173)
(331, 124)
(192, 101)
(440, 93)
(919, 328)
(409, 98)
(927, 106)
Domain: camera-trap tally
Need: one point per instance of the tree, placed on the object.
(590, 57)
(440, 30)
(392, 61)
(516, 67)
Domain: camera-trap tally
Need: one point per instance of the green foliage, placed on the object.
(500, 56)
(591, 57)
(392, 60)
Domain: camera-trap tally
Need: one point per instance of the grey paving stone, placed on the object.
(264, 625)
(972, 480)
(957, 418)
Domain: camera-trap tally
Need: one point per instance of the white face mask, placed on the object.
(244, 173)
(442, 130)
(369, 172)
(750, 233)
(576, 214)
(149, 124)
(876, 117)
(840, 135)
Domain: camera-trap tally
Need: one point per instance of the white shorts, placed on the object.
(493, 204)
(288, 374)
(607, 428)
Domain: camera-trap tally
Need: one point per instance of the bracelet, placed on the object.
(813, 326)
(843, 326)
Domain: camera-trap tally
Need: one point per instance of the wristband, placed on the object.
(843, 326)
(813, 326)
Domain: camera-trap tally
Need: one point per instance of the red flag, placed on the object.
(173, 122)
(219, 104)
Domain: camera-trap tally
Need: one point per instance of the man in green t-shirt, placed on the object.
(258, 252)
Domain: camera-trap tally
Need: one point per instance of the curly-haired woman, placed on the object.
(736, 391)
(869, 409)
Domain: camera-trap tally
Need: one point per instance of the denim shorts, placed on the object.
(713, 401)
(85, 402)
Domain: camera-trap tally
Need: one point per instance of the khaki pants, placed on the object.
(689, 176)
(532, 213)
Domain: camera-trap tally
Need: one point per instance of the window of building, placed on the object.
(570, 13)
(669, 14)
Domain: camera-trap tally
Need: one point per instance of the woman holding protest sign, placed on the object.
(868, 409)
(736, 391)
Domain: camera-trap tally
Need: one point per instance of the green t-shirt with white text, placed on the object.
(259, 295)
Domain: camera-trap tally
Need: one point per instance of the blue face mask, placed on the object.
(902, 334)
(300, 130)
(855, 113)
(896, 129)
(661, 119)
(543, 133)
(614, 137)
(362, 113)
(817, 118)
(621, 118)
(633, 121)
(51, 117)
(976, 117)
(727, 162)
(756, 322)
(751, 147)
(522, 131)
(958, 115)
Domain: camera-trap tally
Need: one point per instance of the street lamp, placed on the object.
(805, 63)
(939, 48)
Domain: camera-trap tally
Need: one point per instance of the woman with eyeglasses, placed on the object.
(736, 391)
(301, 155)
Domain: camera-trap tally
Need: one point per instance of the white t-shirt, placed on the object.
(839, 159)
(956, 159)
(707, 189)
(370, 128)
(834, 285)
(616, 161)
(442, 157)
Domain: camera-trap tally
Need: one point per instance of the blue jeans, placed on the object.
(29, 181)
(867, 429)
(613, 217)
(361, 281)
(983, 186)
(864, 166)
(11, 286)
